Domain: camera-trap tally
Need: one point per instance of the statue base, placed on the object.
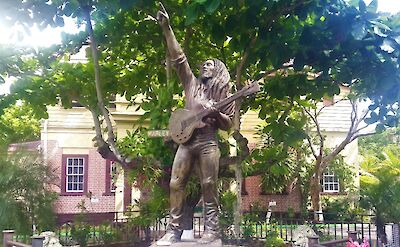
(192, 243)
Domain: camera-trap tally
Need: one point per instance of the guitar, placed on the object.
(183, 121)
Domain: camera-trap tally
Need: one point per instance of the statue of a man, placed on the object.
(202, 149)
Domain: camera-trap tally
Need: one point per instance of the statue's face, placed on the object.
(207, 69)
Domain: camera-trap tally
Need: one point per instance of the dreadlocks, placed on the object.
(217, 87)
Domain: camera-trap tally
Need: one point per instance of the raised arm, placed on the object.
(178, 57)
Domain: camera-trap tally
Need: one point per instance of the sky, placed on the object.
(51, 36)
(37, 38)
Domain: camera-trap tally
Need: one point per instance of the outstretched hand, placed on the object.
(162, 16)
(210, 121)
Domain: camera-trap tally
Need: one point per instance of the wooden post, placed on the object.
(312, 241)
(37, 241)
(7, 236)
(352, 235)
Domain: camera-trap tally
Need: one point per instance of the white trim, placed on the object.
(330, 182)
(67, 174)
(112, 185)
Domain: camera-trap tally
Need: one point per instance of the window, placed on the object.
(111, 175)
(330, 182)
(74, 174)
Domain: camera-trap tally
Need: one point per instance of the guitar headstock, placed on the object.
(250, 89)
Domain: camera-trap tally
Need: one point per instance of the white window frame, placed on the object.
(113, 172)
(330, 182)
(74, 175)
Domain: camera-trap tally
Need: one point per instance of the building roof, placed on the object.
(28, 146)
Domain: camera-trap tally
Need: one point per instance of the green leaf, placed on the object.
(380, 128)
(361, 6)
(373, 6)
(359, 31)
(192, 13)
(212, 6)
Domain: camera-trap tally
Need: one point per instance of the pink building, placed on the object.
(84, 177)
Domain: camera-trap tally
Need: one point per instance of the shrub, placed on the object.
(226, 218)
(106, 234)
(341, 209)
(273, 240)
(80, 232)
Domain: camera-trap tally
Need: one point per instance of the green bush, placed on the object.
(341, 209)
(107, 234)
(226, 218)
(273, 240)
(247, 227)
(25, 198)
(80, 232)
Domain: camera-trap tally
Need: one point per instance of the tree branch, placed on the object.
(318, 130)
(240, 67)
(351, 135)
(188, 35)
(314, 152)
(361, 135)
(103, 146)
(323, 107)
(286, 112)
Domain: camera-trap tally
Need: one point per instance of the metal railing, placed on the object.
(332, 229)
(279, 223)
(8, 240)
(314, 241)
(123, 228)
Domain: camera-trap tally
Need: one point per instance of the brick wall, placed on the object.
(255, 196)
(100, 202)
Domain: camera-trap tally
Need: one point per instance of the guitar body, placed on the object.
(180, 127)
(183, 122)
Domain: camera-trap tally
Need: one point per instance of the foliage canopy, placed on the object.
(303, 50)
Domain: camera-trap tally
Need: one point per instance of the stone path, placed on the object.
(192, 243)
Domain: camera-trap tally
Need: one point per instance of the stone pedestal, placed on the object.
(193, 243)
(188, 235)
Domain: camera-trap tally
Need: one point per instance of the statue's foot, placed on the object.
(169, 238)
(208, 238)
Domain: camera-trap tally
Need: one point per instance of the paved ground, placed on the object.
(188, 243)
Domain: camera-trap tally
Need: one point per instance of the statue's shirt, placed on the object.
(198, 94)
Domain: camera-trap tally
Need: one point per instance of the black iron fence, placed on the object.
(332, 227)
(123, 228)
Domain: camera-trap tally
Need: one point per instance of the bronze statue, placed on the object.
(200, 146)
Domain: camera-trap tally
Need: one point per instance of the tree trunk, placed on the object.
(238, 174)
(315, 190)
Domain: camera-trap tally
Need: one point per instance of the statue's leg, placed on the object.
(191, 200)
(180, 173)
(209, 165)
(181, 169)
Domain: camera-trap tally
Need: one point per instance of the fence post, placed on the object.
(353, 235)
(312, 241)
(37, 241)
(395, 235)
(7, 236)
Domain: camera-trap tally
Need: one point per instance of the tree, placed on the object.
(375, 145)
(379, 187)
(379, 176)
(324, 156)
(18, 124)
(26, 201)
(301, 49)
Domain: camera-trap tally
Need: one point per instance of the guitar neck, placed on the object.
(222, 103)
(228, 100)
